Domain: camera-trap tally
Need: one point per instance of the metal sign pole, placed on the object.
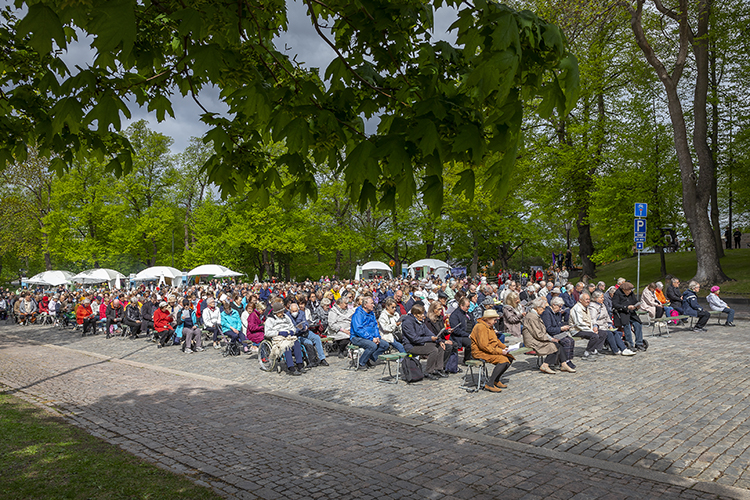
(638, 279)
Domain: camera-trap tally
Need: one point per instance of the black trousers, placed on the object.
(134, 327)
(703, 317)
(596, 341)
(498, 372)
(560, 356)
(89, 323)
(464, 342)
(145, 325)
(165, 335)
(435, 355)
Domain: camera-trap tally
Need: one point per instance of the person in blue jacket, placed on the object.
(187, 326)
(231, 324)
(691, 308)
(364, 333)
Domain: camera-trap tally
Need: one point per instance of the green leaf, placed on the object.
(432, 193)
(297, 134)
(470, 138)
(465, 184)
(161, 104)
(191, 21)
(44, 26)
(114, 24)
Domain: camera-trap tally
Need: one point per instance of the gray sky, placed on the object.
(300, 40)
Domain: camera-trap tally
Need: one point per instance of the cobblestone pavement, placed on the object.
(670, 422)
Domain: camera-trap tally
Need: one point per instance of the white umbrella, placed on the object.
(51, 278)
(156, 272)
(213, 270)
(99, 275)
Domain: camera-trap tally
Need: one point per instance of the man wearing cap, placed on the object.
(624, 306)
(486, 346)
(716, 304)
(279, 323)
(365, 333)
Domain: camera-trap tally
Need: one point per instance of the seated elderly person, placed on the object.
(339, 325)
(305, 334)
(582, 326)
(163, 324)
(27, 309)
(389, 324)
(364, 333)
(674, 296)
(650, 303)
(513, 315)
(187, 327)
(132, 317)
(419, 340)
(486, 346)
(553, 318)
(211, 316)
(86, 316)
(624, 305)
(691, 307)
(536, 337)
(716, 304)
(279, 323)
(601, 318)
(115, 314)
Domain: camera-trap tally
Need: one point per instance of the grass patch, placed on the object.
(43, 456)
(735, 263)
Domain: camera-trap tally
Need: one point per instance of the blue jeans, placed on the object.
(638, 328)
(295, 351)
(730, 314)
(615, 341)
(398, 345)
(372, 350)
(313, 340)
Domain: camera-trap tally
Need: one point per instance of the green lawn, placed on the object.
(42, 456)
(736, 265)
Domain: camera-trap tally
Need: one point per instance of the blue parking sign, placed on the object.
(639, 227)
(641, 209)
(639, 245)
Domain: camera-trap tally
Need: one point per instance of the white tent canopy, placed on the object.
(97, 276)
(434, 265)
(158, 273)
(213, 270)
(51, 278)
(372, 269)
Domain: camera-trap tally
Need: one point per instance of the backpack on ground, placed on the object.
(451, 364)
(311, 355)
(233, 349)
(411, 370)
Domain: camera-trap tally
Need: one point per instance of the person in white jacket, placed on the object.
(582, 326)
(716, 304)
(339, 325)
(388, 323)
(211, 316)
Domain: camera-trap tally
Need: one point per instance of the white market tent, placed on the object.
(213, 270)
(51, 278)
(372, 269)
(430, 266)
(162, 273)
(100, 275)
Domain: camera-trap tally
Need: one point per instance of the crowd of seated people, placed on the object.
(431, 319)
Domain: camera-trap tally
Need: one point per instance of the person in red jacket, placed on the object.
(163, 324)
(85, 316)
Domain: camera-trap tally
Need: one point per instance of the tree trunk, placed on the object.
(266, 263)
(337, 268)
(695, 194)
(585, 244)
(663, 260)
(475, 256)
(715, 151)
(397, 260)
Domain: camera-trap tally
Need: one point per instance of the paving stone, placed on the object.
(658, 410)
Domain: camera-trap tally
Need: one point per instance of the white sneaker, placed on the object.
(586, 354)
(627, 352)
(188, 351)
(198, 349)
(595, 353)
